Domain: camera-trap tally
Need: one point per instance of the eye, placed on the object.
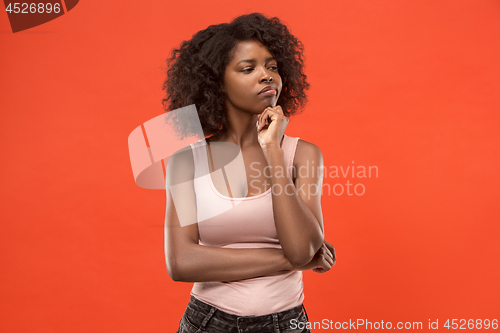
(247, 70)
(274, 68)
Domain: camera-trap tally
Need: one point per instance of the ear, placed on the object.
(222, 88)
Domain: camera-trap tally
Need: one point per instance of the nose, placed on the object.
(266, 76)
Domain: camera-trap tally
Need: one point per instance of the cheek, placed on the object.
(237, 89)
(235, 94)
(238, 95)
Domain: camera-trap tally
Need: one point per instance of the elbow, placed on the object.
(174, 275)
(299, 261)
(174, 271)
(301, 256)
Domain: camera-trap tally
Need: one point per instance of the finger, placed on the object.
(273, 114)
(322, 266)
(260, 121)
(329, 259)
(328, 245)
(327, 250)
(278, 109)
(331, 249)
(268, 112)
(259, 117)
(327, 253)
(268, 118)
(277, 113)
(326, 265)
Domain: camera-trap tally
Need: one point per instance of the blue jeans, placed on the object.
(201, 317)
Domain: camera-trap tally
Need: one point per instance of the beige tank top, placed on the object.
(248, 224)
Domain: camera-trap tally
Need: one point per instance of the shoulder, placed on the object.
(180, 165)
(307, 155)
(307, 151)
(181, 158)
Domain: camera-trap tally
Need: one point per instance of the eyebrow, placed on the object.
(254, 61)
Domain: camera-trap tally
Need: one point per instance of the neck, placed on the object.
(241, 128)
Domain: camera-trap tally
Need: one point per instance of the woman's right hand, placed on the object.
(323, 259)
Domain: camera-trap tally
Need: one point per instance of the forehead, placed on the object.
(249, 49)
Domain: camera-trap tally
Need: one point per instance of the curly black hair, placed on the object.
(196, 69)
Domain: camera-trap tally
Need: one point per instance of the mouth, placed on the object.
(269, 91)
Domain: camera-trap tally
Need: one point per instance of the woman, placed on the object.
(245, 78)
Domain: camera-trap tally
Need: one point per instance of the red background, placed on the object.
(408, 86)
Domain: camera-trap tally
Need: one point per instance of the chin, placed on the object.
(271, 104)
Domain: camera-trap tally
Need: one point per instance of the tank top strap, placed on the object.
(289, 147)
(200, 158)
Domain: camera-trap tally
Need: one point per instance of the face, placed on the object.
(251, 79)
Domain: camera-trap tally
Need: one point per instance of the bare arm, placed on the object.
(190, 262)
(297, 210)
(297, 207)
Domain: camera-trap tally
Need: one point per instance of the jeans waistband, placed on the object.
(232, 317)
(279, 320)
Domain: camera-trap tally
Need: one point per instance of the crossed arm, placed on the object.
(188, 261)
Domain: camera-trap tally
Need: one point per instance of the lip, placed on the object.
(268, 90)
